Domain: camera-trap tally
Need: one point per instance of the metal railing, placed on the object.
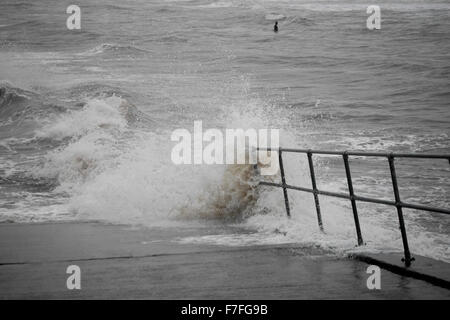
(351, 194)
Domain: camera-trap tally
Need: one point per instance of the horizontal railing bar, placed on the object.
(424, 208)
(326, 193)
(359, 198)
(300, 189)
(373, 200)
(361, 153)
(329, 193)
(333, 194)
(272, 184)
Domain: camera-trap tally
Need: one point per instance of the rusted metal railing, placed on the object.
(351, 195)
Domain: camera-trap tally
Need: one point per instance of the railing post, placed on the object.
(283, 183)
(314, 186)
(398, 204)
(352, 199)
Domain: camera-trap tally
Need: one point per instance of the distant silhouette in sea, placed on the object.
(275, 27)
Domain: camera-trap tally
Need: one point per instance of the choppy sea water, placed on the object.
(86, 116)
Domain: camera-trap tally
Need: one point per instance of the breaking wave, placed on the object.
(104, 163)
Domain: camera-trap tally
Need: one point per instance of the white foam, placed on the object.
(275, 17)
(107, 114)
(219, 4)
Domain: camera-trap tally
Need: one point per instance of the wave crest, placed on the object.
(112, 113)
(114, 50)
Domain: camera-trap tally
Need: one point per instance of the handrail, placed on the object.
(362, 153)
(351, 195)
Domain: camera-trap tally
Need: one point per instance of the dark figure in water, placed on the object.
(275, 27)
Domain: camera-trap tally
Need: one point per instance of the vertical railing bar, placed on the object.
(283, 183)
(314, 187)
(407, 259)
(352, 199)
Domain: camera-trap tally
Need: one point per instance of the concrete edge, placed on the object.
(402, 270)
